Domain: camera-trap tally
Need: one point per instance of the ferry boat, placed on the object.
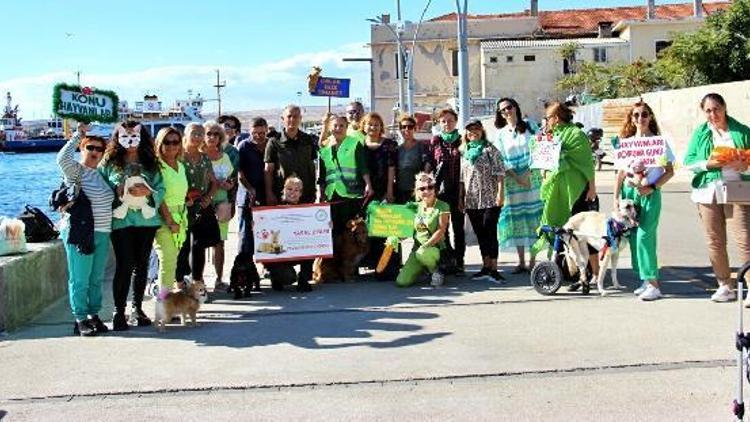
(14, 138)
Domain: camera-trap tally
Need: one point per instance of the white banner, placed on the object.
(292, 232)
(96, 106)
(651, 151)
(546, 154)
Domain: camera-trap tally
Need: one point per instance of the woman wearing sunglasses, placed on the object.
(430, 227)
(86, 262)
(171, 235)
(641, 122)
(131, 152)
(412, 158)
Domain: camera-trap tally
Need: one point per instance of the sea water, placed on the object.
(27, 179)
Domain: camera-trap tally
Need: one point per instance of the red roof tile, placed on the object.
(586, 21)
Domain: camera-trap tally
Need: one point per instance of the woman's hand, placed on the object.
(591, 194)
(205, 201)
(368, 191)
(738, 165)
(645, 190)
(82, 129)
(461, 206)
(174, 227)
(523, 180)
(389, 198)
(227, 184)
(500, 200)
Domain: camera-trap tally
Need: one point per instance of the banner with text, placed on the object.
(332, 87)
(84, 104)
(649, 151)
(293, 232)
(385, 220)
(545, 155)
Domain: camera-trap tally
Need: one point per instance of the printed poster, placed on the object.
(546, 154)
(292, 232)
(651, 151)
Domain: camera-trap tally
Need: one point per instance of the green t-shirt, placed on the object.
(427, 221)
(223, 169)
(175, 184)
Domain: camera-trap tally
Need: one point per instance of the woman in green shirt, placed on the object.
(430, 225)
(171, 235)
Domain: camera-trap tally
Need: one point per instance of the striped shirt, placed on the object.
(92, 182)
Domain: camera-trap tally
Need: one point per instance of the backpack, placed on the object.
(39, 228)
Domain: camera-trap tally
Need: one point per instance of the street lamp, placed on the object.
(463, 66)
(399, 56)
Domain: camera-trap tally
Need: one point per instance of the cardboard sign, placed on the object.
(545, 155)
(84, 105)
(331, 87)
(651, 151)
(385, 220)
(292, 232)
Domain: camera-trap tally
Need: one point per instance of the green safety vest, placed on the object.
(341, 171)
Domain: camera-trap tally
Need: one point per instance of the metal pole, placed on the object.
(463, 66)
(410, 63)
(399, 58)
(218, 87)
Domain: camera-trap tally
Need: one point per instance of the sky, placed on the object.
(264, 49)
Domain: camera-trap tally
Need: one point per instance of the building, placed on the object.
(516, 54)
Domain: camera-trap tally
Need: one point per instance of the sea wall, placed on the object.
(31, 282)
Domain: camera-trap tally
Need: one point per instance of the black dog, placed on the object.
(243, 279)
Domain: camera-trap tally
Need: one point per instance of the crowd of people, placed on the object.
(207, 174)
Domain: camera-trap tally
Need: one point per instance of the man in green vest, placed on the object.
(343, 174)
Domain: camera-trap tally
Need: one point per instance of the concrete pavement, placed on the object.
(371, 351)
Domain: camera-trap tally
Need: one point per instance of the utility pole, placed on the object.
(219, 85)
(464, 108)
(400, 58)
(78, 77)
(410, 63)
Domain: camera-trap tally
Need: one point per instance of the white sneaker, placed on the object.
(650, 293)
(437, 279)
(642, 288)
(724, 294)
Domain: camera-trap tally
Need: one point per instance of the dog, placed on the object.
(350, 247)
(602, 233)
(183, 303)
(243, 279)
(134, 202)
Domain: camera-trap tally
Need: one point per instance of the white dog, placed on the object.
(605, 234)
(134, 202)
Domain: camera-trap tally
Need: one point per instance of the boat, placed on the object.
(14, 138)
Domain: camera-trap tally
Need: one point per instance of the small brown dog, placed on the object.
(183, 303)
(350, 247)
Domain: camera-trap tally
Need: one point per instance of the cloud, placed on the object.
(271, 84)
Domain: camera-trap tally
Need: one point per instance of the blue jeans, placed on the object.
(85, 273)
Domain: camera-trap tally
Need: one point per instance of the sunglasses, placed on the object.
(94, 148)
(644, 114)
(167, 143)
(407, 126)
(506, 109)
(426, 188)
(213, 134)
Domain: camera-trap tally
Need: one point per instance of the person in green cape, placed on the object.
(571, 188)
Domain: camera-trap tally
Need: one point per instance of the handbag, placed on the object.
(64, 196)
(39, 228)
(206, 228)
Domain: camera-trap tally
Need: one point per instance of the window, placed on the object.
(529, 58)
(403, 64)
(600, 54)
(566, 67)
(493, 59)
(508, 59)
(454, 63)
(660, 45)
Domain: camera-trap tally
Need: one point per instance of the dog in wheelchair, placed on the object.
(603, 233)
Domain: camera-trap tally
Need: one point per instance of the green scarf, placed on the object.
(701, 145)
(474, 150)
(450, 137)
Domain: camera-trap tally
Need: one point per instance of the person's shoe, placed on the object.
(483, 273)
(642, 288)
(304, 287)
(519, 270)
(650, 293)
(574, 287)
(139, 318)
(277, 287)
(437, 279)
(221, 286)
(119, 322)
(460, 269)
(98, 325)
(84, 328)
(496, 277)
(724, 294)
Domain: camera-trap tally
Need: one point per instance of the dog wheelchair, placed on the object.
(548, 276)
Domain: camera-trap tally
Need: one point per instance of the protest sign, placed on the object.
(331, 87)
(545, 155)
(84, 105)
(293, 232)
(650, 151)
(385, 220)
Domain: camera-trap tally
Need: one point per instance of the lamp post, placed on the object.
(410, 62)
(463, 66)
(399, 55)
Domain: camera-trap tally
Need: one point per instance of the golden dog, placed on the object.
(181, 303)
(349, 248)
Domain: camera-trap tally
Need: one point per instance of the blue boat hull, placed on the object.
(33, 145)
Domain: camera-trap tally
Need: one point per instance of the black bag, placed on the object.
(39, 228)
(206, 228)
(64, 196)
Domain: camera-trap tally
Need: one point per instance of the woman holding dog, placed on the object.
(571, 188)
(86, 262)
(202, 187)
(172, 233)
(641, 122)
(522, 207)
(131, 153)
(710, 171)
(430, 228)
(481, 195)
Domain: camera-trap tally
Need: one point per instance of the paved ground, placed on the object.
(371, 351)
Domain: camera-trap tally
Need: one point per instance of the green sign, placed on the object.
(84, 104)
(385, 220)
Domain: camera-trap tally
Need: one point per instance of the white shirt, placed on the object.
(715, 190)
